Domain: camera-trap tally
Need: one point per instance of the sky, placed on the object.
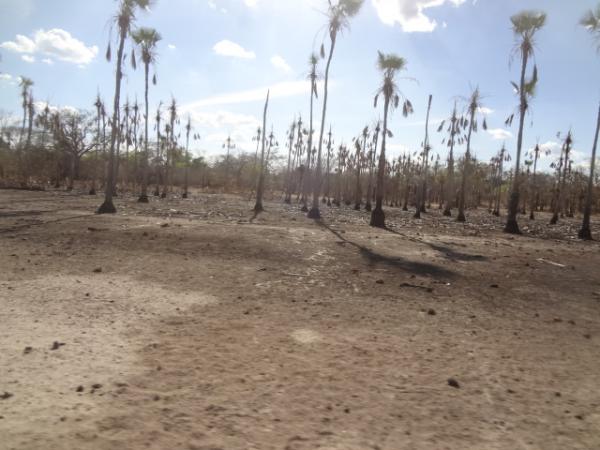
(218, 58)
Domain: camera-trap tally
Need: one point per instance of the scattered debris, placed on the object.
(552, 263)
(453, 383)
(56, 345)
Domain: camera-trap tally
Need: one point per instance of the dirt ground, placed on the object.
(185, 325)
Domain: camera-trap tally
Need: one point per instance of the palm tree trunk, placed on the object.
(585, 232)
(377, 215)
(258, 207)
(144, 195)
(314, 213)
(511, 224)
(107, 207)
(461, 201)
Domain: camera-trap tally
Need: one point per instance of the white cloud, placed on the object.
(499, 134)
(47, 61)
(485, 111)
(280, 63)
(229, 48)
(212, 4)
(279, 90)
(410, 14)
(55, 43)
(251, 3)
(172, 47)
(5, 77)
(216, 126)
(28, 58)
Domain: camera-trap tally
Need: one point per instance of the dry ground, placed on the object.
(187, 326)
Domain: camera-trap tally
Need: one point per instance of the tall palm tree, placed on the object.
(258, 207)
(124, 19)
(453, 130)
(422, 188)
(312, 76)
(339, 15)
(146, 39)
(188, 130)
(389, 65)
(473, 107)
(591, 20)
(525, 25)
(25, 85)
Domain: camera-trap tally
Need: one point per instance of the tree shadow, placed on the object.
(447, 252)
(396, 262)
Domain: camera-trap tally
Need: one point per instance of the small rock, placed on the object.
(579, 416)
(164, 225)
(5, 396)
(495, 286)
(379, 282)
(79, 389)
(587, 336)
(431, 312)
(453, 383)
(97, 270)
(27, 350)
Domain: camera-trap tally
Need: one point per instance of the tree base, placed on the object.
(185, 195)
(304, 208)
(512, 227)
(314, 213)
(461, 217)
(163, 195)
(287, 200)
(585, 234)
(258, 208)
(417, 214)
(92, 192)
(156, 193)
(531, 216)
(368, 207)
(405, 208)
(143, 199)
(496, 213)
(447, 213)
(357, 207)
(107, 208)
(324, 200)
(328, 202)
(377, 218)
(554, 219)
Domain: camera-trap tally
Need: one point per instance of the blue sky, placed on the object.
(218, 57)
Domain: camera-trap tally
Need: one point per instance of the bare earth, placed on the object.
(215, 332)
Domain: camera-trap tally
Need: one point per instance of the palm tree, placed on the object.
(525, 25)
(124, 19)
(339, 15)
(453, 134)
(591, 20)
(258, 207)
(171, 146)
(146, 39)
(389, 65)
(188, 130)
(25, 84)
(312, 76)
(422, 189)
(473, 107)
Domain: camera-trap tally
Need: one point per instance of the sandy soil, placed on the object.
(185, 325)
